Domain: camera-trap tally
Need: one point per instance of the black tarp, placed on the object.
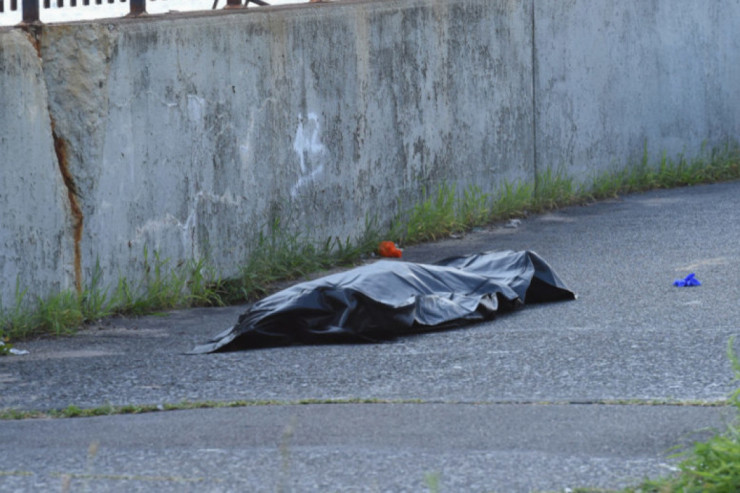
(389, 298)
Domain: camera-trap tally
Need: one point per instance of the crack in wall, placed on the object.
(34, 33)
(62, 153)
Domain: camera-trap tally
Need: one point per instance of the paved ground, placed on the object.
(550, 397)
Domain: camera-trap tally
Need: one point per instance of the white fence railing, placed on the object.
(30, 10)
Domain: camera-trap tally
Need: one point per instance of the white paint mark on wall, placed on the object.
(246, 153)
(188, 230)
(307, 144)
(163, 227)
(196, 104)
(153, 228)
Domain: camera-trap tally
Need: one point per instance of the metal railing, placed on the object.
(31, 8)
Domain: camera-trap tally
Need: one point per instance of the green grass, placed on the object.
(278, 254)
(73, 411)
(712, 466)
(110, 410)
(283, 255)
(721, 164)
(433, 217)
(445, 212)
(162, 287)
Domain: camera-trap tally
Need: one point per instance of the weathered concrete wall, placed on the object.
(187, 135)
(612, 76)
(35, 240)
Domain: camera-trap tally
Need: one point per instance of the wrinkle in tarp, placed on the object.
(390, 298)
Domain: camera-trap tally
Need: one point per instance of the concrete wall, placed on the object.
(613, 75)
(35, 249)
(187, 135)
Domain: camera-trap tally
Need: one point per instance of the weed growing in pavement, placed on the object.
(279, 254)
(432, 218)
(284, 447)
(18, 317)
(710, 466)
(56, 315)
(110, 410)
(720, 164)
(432, 482)
(474, 208)
(513, 199)
(554, 189)
(5, 347)
(162, 287)
(165, 287)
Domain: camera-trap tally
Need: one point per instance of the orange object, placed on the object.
(389, 249)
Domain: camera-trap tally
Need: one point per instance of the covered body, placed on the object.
(389, 298)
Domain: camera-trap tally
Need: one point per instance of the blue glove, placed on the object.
(687, 282)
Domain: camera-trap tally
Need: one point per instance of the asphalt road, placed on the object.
(580, 393)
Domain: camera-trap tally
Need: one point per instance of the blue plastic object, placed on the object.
(687, 282)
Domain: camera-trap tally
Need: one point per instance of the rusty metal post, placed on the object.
(233, 4)
(30, 11)
(136, 7)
